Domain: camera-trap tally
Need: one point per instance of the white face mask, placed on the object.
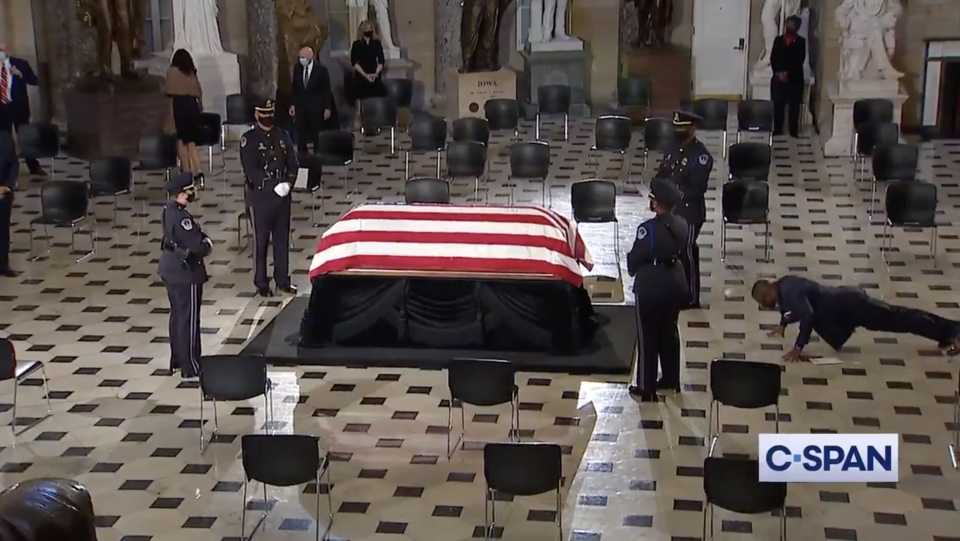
(3, 56)
(304, 61)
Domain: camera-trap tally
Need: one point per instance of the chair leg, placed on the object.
(317, 507)
(210, 159)
(766, 241)
(489, 514)
(566, 126)
(46, 390)
(873, 195)
(13, 418)
(223, 138)
(954, 447)
(723, 240)
(559, 515)
(453, 446)
(933, 245)
(884, 242)
(723, 141)
(263, 517)
(393, 140)
(537, 128)
(439, 162)
(406, 165)
(87, 229)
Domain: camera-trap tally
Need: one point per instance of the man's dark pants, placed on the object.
(8, 124)
(270, 218)
(6, 209)
(695, 213)
(787, 98)
(308, 132)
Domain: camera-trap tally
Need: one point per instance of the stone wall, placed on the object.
(66, 50)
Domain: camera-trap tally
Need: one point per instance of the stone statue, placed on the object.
(548, 21)
(868, 33)
(772, 16)
(479, 34)
(653, 19)
(298, 25)
(195, 26)
(115, 21)
(359, 9)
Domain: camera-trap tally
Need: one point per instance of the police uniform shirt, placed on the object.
(268, 158)
(654, 259)
(182, 235)
(689, 166)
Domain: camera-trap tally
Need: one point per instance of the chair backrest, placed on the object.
(871, 135)
(379, 112)
(755, 115)
(523, 469)
(471, 129)
(746, 201)
(530, 160)
(428, 133)
(733, 484)
(911, 203)
(466, 159)
(502, 113)
(427, 190)
(659, 134)
(745, 384)
(233, 377)
(872, 111)
(482, 382)
(239, 110)
(337, 144)
(594, 201)
(157, 151)
(895, 162)
(280, 460)
(64, 201)
(38, 140)
(401, 90)
(209, 129)
(749, 161)
(613, 132)
(554, 99)
(714, 113)
(634, 92)
(8, 360)
(111, 175)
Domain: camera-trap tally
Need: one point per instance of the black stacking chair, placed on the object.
(910, 204)
(755, 116)
(40, 140)
(427, 134)
(484, 383)
(612, 133)
(743, 385)
(467, 159)
(733, 484)
(401, 91)
(554, 100)
(314, 167)
(472, 129)
(157, 152)
(749, 161)
(531, 161)
(64, 203)
(634, 92)
(745, 202)
(232, 378)
(503, 115)
(210, 133)
(659, 135)
(715, 114)
(283, 460)
(869, 112)
(239, 110)
(869, 137)
(520, 469)
(427, 190)
(112, 177)
(377, 114)
(892, 163)
(594, 201)
(18, 372)
(336, 150)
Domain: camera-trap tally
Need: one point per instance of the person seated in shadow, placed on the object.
(47, 510)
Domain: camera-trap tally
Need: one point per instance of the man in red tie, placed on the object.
(15, 75)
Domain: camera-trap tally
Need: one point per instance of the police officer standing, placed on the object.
(689, 166)
(270, 167)
(183, 247)
(660, 289)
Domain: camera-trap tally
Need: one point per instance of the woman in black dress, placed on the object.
(186, 99)
(366, 57)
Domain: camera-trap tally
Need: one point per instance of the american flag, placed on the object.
(454, 239)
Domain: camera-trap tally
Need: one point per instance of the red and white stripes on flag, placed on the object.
(455, 239)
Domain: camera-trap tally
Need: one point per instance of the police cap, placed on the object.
(180, 183)
(266, 106)
(665, 192)
(686, 119)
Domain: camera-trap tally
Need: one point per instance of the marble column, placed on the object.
(263, 38)
(69, 48)
(447, 45)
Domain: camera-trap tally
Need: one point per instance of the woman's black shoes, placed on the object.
(643, 396)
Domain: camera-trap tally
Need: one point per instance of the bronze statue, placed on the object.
(653, 19)
(299, 25)
(480, 34)
(116, 21)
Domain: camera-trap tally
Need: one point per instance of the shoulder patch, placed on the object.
(243, 141)
(641, 233)
(187, 224)
(704, 159)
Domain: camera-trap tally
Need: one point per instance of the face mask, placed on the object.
(191, 197)
(304, 62)
(265, 121)
(653, 206)
(368, 35)
(4, 57)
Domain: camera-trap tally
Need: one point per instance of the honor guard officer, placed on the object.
(270, 166)
(689, 165)
(183, 247)
(660, 289)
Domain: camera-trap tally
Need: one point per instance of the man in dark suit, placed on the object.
(9, 170)
(312, 102)
(15, 75)
(786, 88)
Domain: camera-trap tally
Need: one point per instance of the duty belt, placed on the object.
(665, 262)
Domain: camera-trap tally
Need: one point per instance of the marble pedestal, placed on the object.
(548, 64)
(467, 93)
(760, 90)
(843, 96)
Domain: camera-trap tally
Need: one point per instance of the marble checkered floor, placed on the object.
(130, 433)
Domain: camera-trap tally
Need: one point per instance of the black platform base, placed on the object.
(611, 353)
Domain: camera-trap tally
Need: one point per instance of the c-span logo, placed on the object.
(829, 458)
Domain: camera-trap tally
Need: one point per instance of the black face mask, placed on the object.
(653, 205)
(265, 121)
(191, 197)
(368, 35)
(682, 136)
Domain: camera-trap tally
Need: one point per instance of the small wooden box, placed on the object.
(468, 92)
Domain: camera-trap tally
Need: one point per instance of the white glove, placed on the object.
(208, 241)
(282, 189)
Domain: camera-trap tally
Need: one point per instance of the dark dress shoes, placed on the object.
(9, 273)
(642, 395)
(288, 289)
(667, 386)
(264, 292)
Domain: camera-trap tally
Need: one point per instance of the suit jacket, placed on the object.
(314, 98)
(18, 110)
(790, 59)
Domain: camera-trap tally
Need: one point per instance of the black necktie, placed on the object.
(306, 75)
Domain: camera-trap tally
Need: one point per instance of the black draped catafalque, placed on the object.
(479, 33)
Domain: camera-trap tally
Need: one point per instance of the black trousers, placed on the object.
(6, 212)
(695, 215)
(658, 342)
(787, 98)
(270, 221)
(32, 164)
(185, 301)
(308, 132)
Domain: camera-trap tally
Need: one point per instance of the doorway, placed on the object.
(948, 123)
(721, 32)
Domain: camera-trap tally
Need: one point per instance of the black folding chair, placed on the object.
(427, 190)
(18, 372)
(634, 92)
(40, 140)
(755, 116)
(554, 100)
(336, 149)
(892, 163)
(612, 133)
(64, 203)
(714, 114)
(868, 138)
(313, 164)
(867, 112)
(503, 115)
(468, 159)
(377, 114)
(427, 134)
(239, 113)
(594, 201)
(749, 161)
(910, 204)
(521, 469)
(745, 202)
(659, 135)
(743, 385)
(283, 460)
(531, 161)
(112, 176)
(733, 484)
(233, 378)
(483, 383)
(471, 129)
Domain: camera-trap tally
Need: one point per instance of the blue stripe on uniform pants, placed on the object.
(693, 257)
(196, 301)
(642, 379)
